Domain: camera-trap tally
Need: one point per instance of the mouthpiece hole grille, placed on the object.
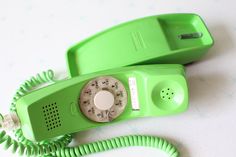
(51, 116)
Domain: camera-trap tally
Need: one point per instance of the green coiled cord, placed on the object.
(59, 147)
(22, 145)
(118, 142)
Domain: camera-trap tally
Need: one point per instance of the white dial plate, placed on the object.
(103, 99)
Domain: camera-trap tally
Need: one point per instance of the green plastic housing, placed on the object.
(170, 38)
(54, 110)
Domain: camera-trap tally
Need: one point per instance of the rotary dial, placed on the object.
(103, 99)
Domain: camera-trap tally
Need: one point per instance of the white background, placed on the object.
(34, 36)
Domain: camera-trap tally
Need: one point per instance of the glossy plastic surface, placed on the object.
(54, 110)
(170, 38)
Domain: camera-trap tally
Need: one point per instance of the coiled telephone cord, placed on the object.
(59, 147)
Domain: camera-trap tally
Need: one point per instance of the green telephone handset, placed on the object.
(102, 98)
(44, 119)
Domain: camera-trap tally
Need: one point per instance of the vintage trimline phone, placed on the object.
(115, 76)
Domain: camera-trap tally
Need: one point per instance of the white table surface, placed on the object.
(34, 36)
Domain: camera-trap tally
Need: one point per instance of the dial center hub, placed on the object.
(104, 100)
